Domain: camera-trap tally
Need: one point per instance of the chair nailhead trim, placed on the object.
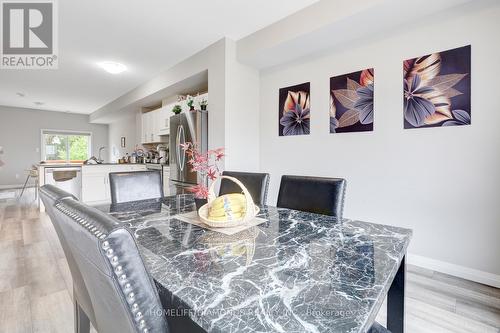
(80, 220)
(113, 259)
(126, 287)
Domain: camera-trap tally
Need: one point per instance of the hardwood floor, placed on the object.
(35, 284)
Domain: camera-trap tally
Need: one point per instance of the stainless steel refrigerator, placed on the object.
(191, 126)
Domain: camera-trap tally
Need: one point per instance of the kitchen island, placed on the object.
(88, 182)
(296, 272)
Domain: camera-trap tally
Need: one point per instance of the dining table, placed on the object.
(294, 272)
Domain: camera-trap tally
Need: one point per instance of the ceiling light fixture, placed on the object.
(112, 67)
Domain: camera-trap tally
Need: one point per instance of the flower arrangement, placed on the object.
(206, 164)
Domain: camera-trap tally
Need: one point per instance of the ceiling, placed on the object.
(330, 26)
(146, 36)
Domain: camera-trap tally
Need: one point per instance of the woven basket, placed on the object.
(250, 212)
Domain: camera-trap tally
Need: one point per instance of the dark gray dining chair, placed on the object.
(123, 295)
(50, 195)
(256, 183)
(318, 195)
(135, 186)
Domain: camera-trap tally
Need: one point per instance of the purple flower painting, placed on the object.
(351, 102)
(437, 89)
(294, 110)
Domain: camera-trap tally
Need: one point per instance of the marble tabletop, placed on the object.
(297, 272)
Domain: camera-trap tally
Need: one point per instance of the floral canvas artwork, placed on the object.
(437, 89)
(294, 110)
(351, 102)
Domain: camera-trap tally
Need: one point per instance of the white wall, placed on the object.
(20, 137)
(242, 116)
(441, 182)
(212, 59)
(125, 127)
(233, 118)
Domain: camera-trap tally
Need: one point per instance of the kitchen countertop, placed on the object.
(296, 272)
(114, 164)
(59, 165)
(65, 165)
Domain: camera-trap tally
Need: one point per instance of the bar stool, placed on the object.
(32, 174)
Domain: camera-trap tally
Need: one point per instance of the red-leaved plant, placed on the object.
(207, 166)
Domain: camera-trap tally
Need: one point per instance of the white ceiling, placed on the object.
(146, 36)
(329, 25)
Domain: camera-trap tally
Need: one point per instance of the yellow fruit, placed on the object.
(227, 207)
(223, 212)
(226, 218)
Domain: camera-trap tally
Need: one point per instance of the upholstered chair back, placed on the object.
(313, 194)
(123, 295)
(135, 186)
(50, 195)
(256, 183)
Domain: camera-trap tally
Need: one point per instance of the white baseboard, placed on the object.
(7, 195)
(10, 187)
(14, 186)
(455, 270)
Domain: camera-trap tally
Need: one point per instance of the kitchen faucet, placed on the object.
(99, 159)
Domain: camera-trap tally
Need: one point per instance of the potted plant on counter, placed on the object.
(206, 165)
(203, 104)
(177, 109)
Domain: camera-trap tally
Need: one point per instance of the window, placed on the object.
(61, 146)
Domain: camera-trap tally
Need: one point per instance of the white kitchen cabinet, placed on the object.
(145, 127)
(95, 188)
(164, 121)
(151, 126)
(156, 119)
(95, 181)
